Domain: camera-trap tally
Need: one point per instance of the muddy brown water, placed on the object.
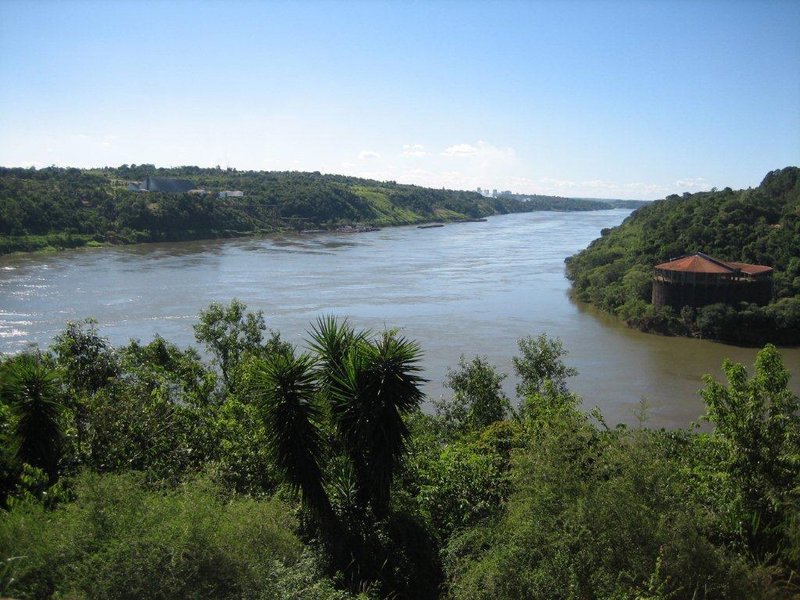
(469, 288)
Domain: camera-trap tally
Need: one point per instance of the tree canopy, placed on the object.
(68, 207)
(142, 472)
(759, 225)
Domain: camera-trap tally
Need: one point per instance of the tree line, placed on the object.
(560, 203)
(271, 471)
(759, 225)
(69, 207)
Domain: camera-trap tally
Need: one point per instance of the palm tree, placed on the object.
(364, 387)
(331, 341)
(31, 391)
(391, 384)
(285, 387)
(369, 385)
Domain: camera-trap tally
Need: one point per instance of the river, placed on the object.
(467, 288)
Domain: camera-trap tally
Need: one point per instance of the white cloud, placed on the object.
(461, 150)
(481, 150)
(692, 183)
(413, 150)
(368, 155)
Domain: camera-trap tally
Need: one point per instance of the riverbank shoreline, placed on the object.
(45, 244)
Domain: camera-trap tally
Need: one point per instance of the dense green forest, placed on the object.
(560, 203)
(759, 225)
(58, 208)
(145, 472)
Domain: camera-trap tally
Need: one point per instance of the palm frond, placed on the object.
(31, 390)
(285, 387)
(377, 383)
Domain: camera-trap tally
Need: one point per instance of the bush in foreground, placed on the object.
(119, 539)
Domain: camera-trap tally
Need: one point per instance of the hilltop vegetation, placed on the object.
(760, 225)
(75, 207)
(143, 472)
(560, 203)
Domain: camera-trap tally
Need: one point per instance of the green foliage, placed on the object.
(242, 461)
(230, 332)
(331, 342)
(637, 284)
(170, 484)
(157, 410)
(121, 540)
(140, 425)
(162, 363)
(376, 385)
(598, 515)
(466, 481)
(760, 225)
(35, 434)
(758, 424)
(369, 385)
(334, 428)
(64, 208)
(284, 387)
(87, 359)
(541, 365)
(142, 407)
(478, 398)
(748, 324)
(519, 202)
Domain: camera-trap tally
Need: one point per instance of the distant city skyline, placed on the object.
(615, 99)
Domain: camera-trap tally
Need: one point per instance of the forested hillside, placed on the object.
(560, 203)
(272, 472)
(75, 207)
(760, 225)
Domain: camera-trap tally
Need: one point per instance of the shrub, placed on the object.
(607, 514)
(121, 540)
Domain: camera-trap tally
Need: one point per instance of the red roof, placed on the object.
(750, 269)
(702, 263)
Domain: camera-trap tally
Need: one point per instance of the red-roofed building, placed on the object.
(699, 279)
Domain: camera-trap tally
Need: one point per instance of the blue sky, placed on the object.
(625, 99)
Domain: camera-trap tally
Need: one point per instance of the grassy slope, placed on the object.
(385, 212)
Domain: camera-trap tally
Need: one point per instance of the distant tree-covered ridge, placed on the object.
(68, 207)
(560, 203)
(759, 225)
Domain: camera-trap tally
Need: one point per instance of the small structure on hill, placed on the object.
(699, 279)
(162, 184)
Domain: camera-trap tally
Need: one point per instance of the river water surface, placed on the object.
(468, 288)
